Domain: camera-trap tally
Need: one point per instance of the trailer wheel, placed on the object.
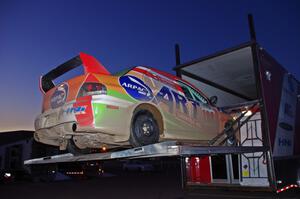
(144, 129)
(72, 148)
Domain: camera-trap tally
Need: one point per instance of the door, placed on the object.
(203, 117)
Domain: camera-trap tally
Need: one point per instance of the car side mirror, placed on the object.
(213, 100)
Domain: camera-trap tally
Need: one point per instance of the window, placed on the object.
(198, 97)
(186, 91)
(192, 94)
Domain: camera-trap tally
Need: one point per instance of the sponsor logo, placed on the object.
(286, 126)
(76, 110)
(136, 88)
(284, 142)
(167, 95)
(59, 96)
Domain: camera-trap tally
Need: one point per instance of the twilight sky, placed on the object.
(36, 36)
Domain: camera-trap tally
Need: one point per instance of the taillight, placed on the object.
(91, 88)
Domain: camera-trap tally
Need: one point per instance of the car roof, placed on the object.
(170, 76)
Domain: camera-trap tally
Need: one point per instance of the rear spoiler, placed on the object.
(90, 64)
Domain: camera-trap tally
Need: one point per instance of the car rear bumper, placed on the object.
(57, 135)
(105, 119)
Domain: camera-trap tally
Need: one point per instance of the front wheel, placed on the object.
(144, 129)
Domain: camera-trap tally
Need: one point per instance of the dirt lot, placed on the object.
(131, 185)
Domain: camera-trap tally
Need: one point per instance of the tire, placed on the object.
(144, 129)
(72, 148)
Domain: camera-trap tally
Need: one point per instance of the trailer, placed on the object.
(241, 74)
(182, 150)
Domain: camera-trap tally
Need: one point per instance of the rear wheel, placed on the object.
(144, 129)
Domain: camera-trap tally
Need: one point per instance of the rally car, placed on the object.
(135, 107)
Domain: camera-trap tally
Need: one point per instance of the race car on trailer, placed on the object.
(136, 107)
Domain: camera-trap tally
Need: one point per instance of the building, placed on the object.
(15, 147)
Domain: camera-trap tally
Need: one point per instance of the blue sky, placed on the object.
(36, 36)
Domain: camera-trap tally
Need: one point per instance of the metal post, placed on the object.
(177, 58)
(264, 116)
(183, 172)
(251, 27)
(177, 54)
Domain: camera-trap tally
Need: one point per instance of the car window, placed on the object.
(186, 90)
(191, 93)
(198, 97)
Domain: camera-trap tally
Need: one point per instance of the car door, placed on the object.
(172, 105)
(204, 117)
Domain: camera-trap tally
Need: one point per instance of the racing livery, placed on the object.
(135, 107)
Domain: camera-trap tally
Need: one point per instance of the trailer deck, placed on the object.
(163, 149)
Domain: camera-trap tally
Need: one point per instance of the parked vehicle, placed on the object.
(136, 107)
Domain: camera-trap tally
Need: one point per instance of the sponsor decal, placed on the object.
(284, 142)
(167, 96)
(76, 110)
(136, 88)
(59, 96)
(180, 100)
(285, 132)
(286, 126)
